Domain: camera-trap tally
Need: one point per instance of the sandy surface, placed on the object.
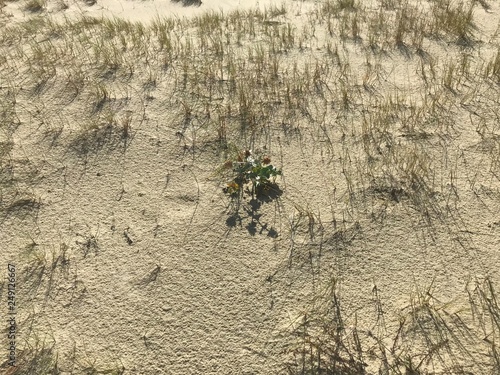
(129, 257)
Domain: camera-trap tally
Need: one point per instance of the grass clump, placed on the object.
(455, 20)
(39, 358)
(35, 6)
(187, 3)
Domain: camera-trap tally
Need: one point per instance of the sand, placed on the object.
(377, 253)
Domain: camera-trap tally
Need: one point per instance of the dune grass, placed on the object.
(430, 338)
(383, 90)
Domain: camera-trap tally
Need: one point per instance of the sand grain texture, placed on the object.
(378, 255)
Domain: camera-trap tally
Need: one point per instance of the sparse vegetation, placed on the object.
(384, 118)
(253, 169)
(34, 6)
(430, 335)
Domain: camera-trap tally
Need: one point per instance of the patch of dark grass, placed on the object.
(188, 3)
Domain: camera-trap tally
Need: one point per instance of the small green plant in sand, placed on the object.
(249, 169)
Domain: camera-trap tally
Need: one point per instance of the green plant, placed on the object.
(249, 169)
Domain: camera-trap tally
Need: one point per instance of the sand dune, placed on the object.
(359, 140)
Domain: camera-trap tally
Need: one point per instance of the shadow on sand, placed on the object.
(251, 211)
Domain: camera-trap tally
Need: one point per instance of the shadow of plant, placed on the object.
(251, 215)
(251, 175)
